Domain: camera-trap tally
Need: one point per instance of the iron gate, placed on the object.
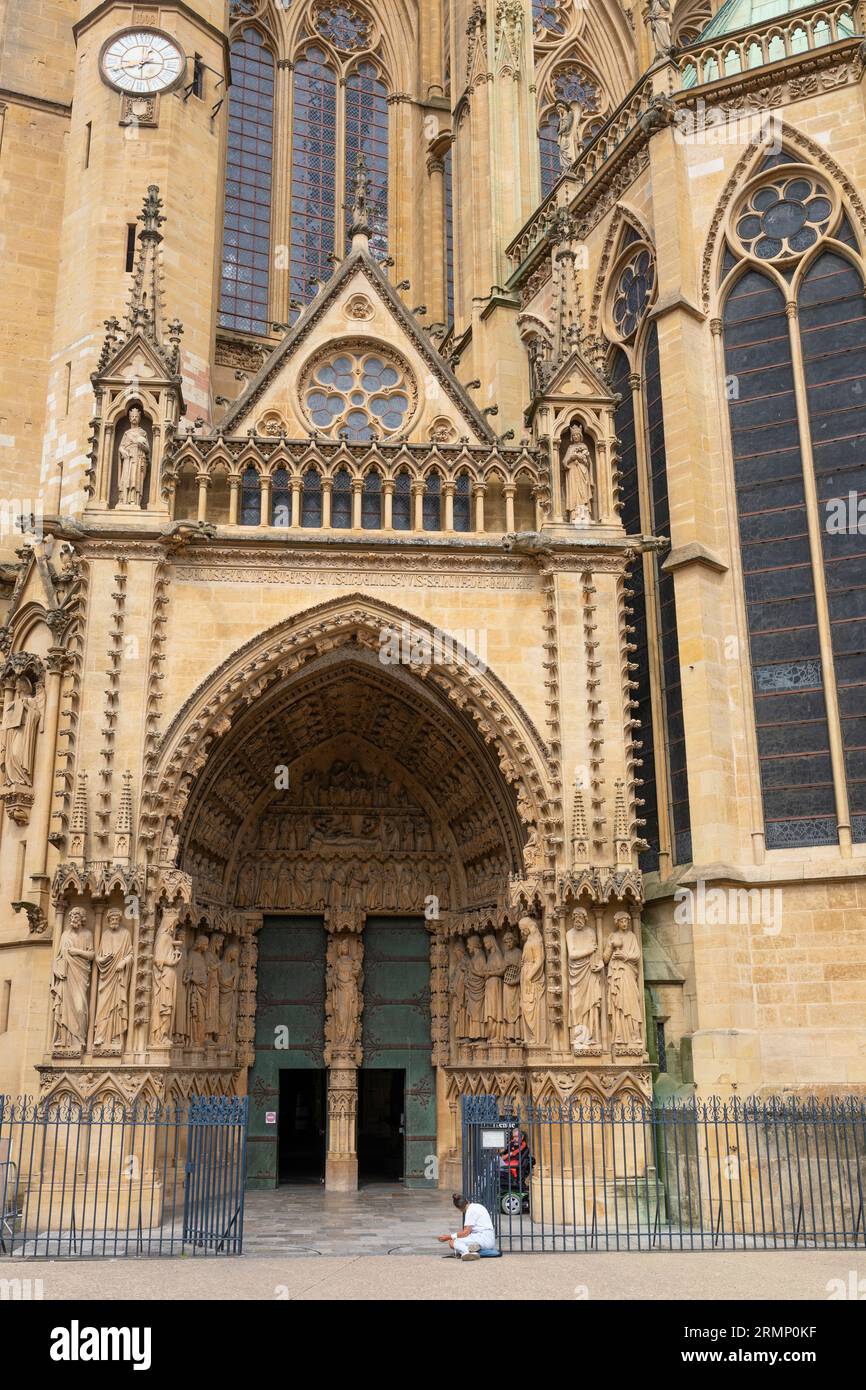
(734, 1175)
(111, 1179)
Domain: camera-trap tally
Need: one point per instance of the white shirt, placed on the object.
(477, 1218)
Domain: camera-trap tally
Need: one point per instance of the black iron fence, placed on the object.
(110, 1179)
(732, 1175)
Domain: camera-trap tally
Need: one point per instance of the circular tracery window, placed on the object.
(782, 219)
(362, 393)
(633, 292)
(344, 26)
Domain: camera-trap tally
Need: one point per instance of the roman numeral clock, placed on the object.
(142, 62)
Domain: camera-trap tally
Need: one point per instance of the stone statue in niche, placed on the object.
(566, 134)
(212, 1010)
(70, 983)
(133, 457)
(533, 989)
(659, 20)
(457, 988)
(622, 958)
(229, 975)
(577, 462)
(346, 980)
(494, 1015)
(584, 982)
(476, 984)
(21, 722)
(512, 956)
(113, 968)
(195, 977)
(167, 953)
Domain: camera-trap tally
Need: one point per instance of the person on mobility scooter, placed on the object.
(515, 1169)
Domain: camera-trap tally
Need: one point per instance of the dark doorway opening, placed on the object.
(302, 1115)
(381, 1125)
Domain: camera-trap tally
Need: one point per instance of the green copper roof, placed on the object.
(742, 14)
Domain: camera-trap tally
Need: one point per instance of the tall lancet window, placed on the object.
(247, 223)
(367, 134)
(795, 350)
(314, 190)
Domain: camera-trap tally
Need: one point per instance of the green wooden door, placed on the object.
(290, 1014)
(396, 1029)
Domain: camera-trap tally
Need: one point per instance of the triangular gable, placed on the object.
(575, 379)
(136, 359)
(357, 305)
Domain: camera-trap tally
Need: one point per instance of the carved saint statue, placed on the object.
(494, 1017)
(622, 958)
(476, 984)
(511, 954)
(195, 977)
(21, 720)
(133, 456)
(228, 980)
(212, 1010)
(113, 967)
(346, 984)
(166, 958)
(577, 462)
(70, 982)
(533, 990)
(457, 988)
(659, 20)
(565, 134)
(584, 982)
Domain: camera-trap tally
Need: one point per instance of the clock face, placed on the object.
(142, 61)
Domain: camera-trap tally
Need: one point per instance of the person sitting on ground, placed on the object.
(477, 1232)
(516, 1162)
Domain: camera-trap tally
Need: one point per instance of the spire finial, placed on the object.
(360, 229)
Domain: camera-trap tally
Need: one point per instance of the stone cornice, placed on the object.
(52, 108)
(694, 553)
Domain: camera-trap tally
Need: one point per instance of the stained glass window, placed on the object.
(832, 322)
(548, 143)
(432, 506)
(449, 235)
(247, 220)
(341, 500)
(463, 504)
(401, 516)
(281, 499)
(371, 502)
(547, 18)
(251, 498)
(343, 26)
(784, 218)
(633, 293)
(790, 710)
(314, 139)
(311, 499)
(367, 134)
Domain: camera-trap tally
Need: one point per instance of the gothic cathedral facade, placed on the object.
(433, 490)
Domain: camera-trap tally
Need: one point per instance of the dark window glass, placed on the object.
(247, 220)
(548, 142)
(371, 503)
(341, 500)
(367, 134)
(314, 140)
(251, 498)
(311, 499)
(432, 507)
(671, 681)
(631, 520)
(790, 712)
(281, 499)
(463, 504)
(449, 234)
(401, 514)
(833, 333)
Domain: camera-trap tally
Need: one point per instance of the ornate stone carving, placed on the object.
(624, 1003)
(659, 20)
(20, 726)
(533, 988)
(113, 970)
(167, 955)
(70, 985)
(577, 463)
(584, 983)
(344, 983)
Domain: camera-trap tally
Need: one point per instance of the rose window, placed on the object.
(344, 26)
(783, 219)
(362, 395)
(633, 293)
